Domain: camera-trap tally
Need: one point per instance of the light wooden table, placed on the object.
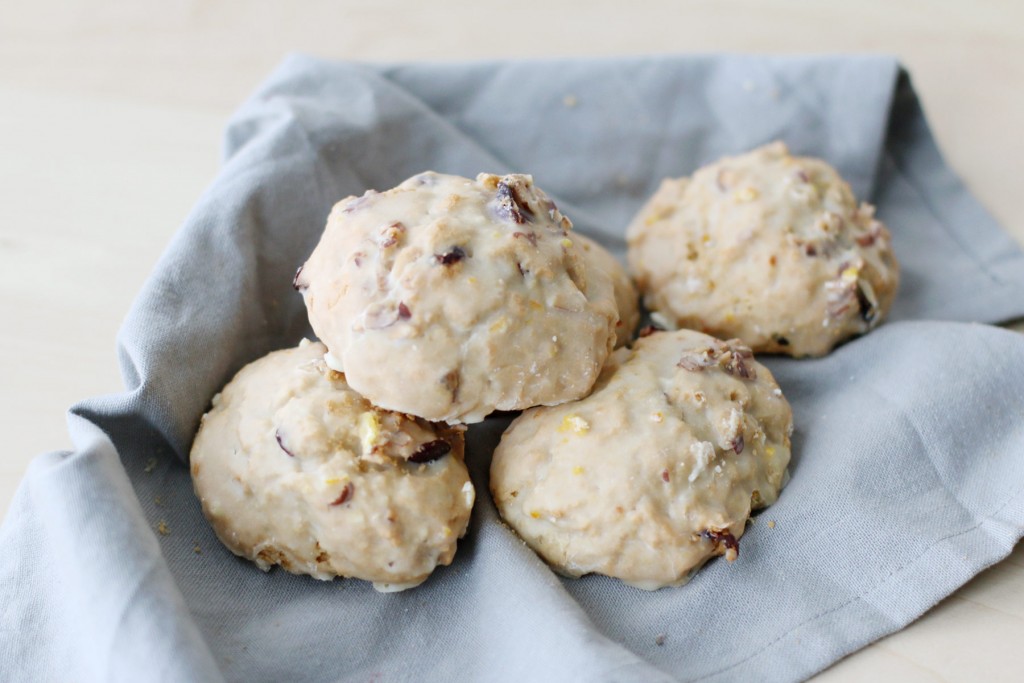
(110, 117)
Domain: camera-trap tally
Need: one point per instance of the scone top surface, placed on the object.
(295, 468)
(767, 247)
(449, 298)
(657, 470)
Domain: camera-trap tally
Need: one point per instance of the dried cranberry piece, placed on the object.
(345, 496)
(430, 451)
(724, 538)
(295, 280)
(531, 237)
(403, 311)
(867, 308)
(450, 257)
(280, 442)
(736, 358)
(511, 205)
(737, 365)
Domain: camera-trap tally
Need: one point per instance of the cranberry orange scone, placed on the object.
(449, 298)
(627, 300)
(657, 470)
(295, 468)
(767, 247)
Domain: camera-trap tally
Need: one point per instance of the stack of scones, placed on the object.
(638, 455)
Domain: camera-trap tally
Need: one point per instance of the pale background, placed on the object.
(110, 117)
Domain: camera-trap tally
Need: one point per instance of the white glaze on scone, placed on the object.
(627, 299)
(657, 470)
(295, 468)
(767, 247)
(449, 298)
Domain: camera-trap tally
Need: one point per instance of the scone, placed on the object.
(627, 299)
(766, 247)
(295, 468)
(656, 471)
(449, 298)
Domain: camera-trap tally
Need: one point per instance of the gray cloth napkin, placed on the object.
(908, 468)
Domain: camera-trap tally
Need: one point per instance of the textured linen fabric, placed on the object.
(908, 468)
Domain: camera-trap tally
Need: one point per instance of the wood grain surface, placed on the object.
(110, 121)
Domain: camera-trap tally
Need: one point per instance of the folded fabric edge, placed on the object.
(886, 607)
(240, 127)
(911, 149)
(64, 505)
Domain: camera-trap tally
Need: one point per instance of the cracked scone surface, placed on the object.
(767, 247)
(472, 293)
(294, 468)
(627, 299)
(656, 471)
